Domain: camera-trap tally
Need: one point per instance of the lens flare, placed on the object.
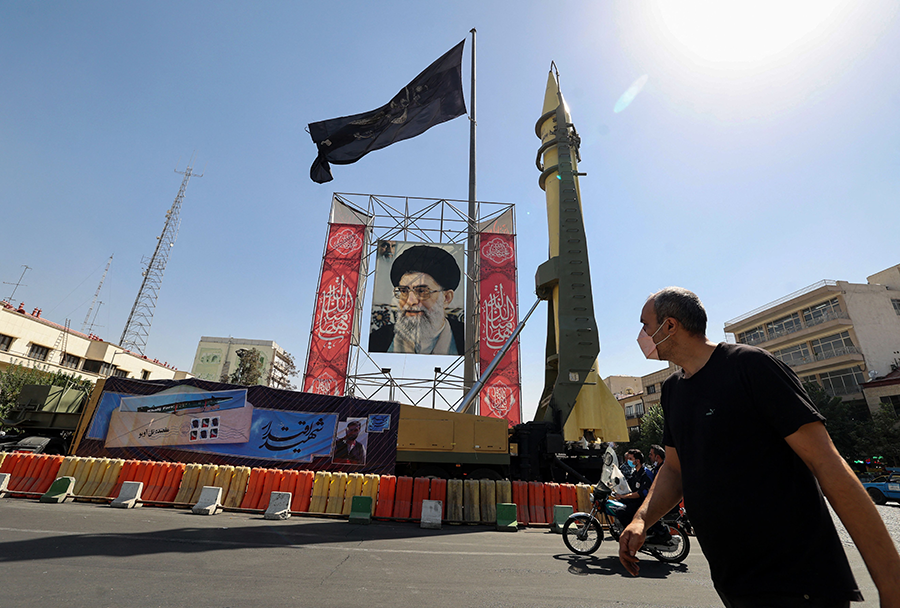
(632, 92)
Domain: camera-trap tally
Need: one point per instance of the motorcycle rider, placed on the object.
(639, 480)
(656, 456)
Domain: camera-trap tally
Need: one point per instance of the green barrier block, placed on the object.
(361, 510)
(506, 517)
(560, 515)
(60, 490)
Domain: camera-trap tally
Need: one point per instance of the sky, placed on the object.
(741, 150)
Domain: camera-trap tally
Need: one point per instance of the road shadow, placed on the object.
(586, 565)
(295, 532)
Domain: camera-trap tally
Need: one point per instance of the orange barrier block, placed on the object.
(536, 512)
(151, 488)
(520, 497)
(272, 481)
(302, 491)
(438, 491)
(172, 482)
(421, 487)
(254, 488)
(49, 476)
(37, 474)
(387, 488)
(9, 462)
(551, 498)
(288, 482)
(403, 498)
(24, 475)
(124, 475)
(567, 495)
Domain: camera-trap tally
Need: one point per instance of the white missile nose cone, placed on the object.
(552, 96)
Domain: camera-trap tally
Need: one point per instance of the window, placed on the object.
(38, 352)
(843, 382)
(784, 325)
(71, 361)
(119, 373)
(629, 411)
(92, 366)
(753, 336)
(896, 305)
(833, 346)
(651, 389)
(811, 379)
(794, 355)
(5, 342)
(145, 374)
(826, 311)
(892, 400)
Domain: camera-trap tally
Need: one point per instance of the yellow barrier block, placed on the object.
(2, 458)
(206, 477)
(109, 478)
(454, 508)
(67, 468)
(336, 493)
(370, 488)
(223, 478)
(504, 492)
(583, 494)
(237, 488)
(321, 486)
(488, 500)
(82, 475)
(471, 506)
(97, 472)
(188, 483)
(354, 488)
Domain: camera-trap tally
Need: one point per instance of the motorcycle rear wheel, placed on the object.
(582, 535)
(673, 556)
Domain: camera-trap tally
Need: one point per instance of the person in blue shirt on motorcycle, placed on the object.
(639, 480)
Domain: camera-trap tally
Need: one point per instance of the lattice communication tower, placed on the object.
(134, 336)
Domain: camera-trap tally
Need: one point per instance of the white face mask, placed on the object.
(648, 346)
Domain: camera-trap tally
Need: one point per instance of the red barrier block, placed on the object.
(568, 495)
(9, 463)
(152, 487)
(536, 511)
(421, 487)
(125, 474)
(254, 488)
(403, 498)
(49, 475)
(551, 498)
(439, 491)
(387, 488)
(520, 497)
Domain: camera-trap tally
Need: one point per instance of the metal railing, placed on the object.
(787, 298)
(798, 326)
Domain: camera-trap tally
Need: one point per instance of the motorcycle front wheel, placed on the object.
(582, 535)
(673, 555)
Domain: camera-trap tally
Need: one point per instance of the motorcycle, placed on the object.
(583, 532)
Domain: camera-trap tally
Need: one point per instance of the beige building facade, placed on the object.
(28, 340)
(218, 358)
(835, 333)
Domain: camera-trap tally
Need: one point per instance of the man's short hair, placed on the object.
(682, 305)
(433, 261)
(659, 450)
(638, 455)
(355, 423)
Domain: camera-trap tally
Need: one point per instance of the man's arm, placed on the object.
(852, 504)
(665, 493)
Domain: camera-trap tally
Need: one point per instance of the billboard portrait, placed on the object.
(419, 301)
(350, 446)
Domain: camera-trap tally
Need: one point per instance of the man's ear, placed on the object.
(448, 296)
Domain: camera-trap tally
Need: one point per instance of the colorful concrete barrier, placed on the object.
(520, 498)
(386, 492)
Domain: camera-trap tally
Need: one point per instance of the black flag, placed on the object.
(433, 97)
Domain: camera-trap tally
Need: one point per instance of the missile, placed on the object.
(574, 396)
(183, 406)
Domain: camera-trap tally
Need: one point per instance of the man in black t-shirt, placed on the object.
(738, 403)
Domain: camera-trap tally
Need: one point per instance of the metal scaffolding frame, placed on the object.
(428, 220)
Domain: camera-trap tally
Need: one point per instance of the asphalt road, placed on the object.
(81, 554)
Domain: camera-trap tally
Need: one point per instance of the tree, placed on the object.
(842, 422)
(883, 438)
(648, 433)
(250, 367)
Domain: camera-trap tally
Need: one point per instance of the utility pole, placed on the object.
(134, 336)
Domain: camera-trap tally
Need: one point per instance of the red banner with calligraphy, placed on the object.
(333, 324)
(498, 308)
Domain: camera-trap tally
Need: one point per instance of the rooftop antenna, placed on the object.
(17, 283)
(94, 322)
(96, 295)
(137, 328)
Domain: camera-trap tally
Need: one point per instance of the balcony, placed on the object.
(819, 326)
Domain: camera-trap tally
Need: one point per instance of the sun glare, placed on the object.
(733, 31)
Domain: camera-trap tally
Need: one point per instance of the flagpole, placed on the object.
(469, 375)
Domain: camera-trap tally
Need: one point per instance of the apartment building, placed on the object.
(217, 358)
(835, 333)
(29, 340)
